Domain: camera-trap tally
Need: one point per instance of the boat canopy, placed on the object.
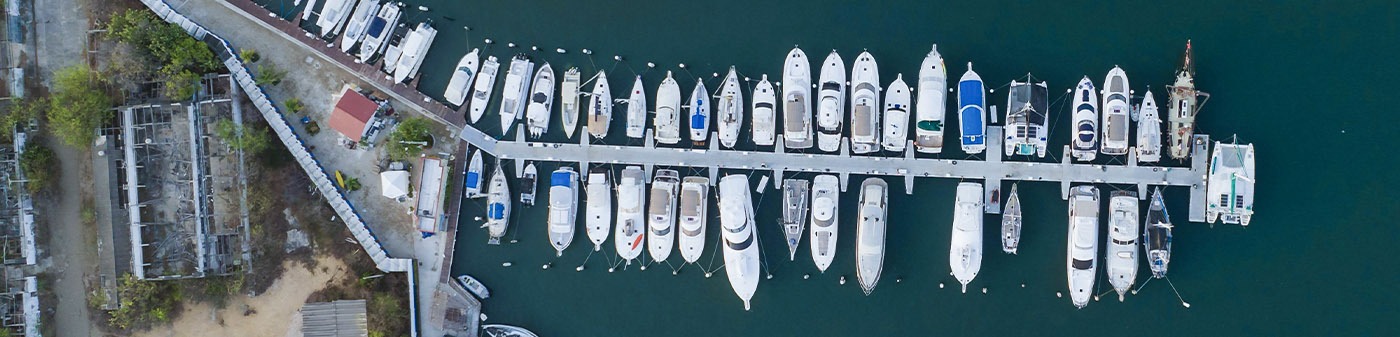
(473, 179)
(376, 26)
(539, 97)
(560, 179)
(698, 122)
(1086, 132)
(971, 122)
(970, 93)
(496, 211)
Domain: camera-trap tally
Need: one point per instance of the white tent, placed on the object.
(394, 183)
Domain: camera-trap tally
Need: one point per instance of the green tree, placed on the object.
(78, 105)
(143, 302)
(182, 85)
(20, 113)
(269, 74)
(247, 139)
(249, 55)
(410, 138)
(38, 162)
(294, 105)
(181, 57)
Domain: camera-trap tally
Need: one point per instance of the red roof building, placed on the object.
(353, 115)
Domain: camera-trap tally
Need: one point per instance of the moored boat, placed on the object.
(1230, 190)
(513, 94)
(661, 214)
(896, 126)
(831, 102)
(932, 105)
(1081, 256)
(333, 15)
(600, 107)
(1149, 135)
(729, 109)
(358, 23)
(965, 254)
(414, 48)
(1181, 113)
(794, 220)
(826, 198)
(1086, 121)
(381, 26)
(972, 112)
(699, 113)
(541, 102)
(637, 110)
(740, 237)
(667, 123)
(481, 90)
(865, 104)
(1011, 223)
(501, 330)
(797, 104)
(1027, 110)
(474, 177)
(765, 117)
(1120, 252)
(497, 206)
(474, 286)
(870, 232)
(1115, 113)
(631, 220)
(694, 210)
(563, 208)
(529, 179)
(462, 76)
(1157, 237)
(598, 212)
(568, 94)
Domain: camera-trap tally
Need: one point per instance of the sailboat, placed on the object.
(1181, 114)
(730, 110)
(600, 107)
(568, 93)
(932, 104)
(826, 198)
(972, 111)
(1115, 113)
(794, 220)
(865, 104)
(797, 104)
(1081, 257)
(1027, 109)
(740, 237)
(474, 177)
(870, 232)
(896, 115)
(965, 254)
(516, 88)
(831, 102)
(1157, 237)
(563, 208)
(699, 113)
(661, 214)
(668, 111)
(1011, 223)
(1230, 190)
(765, 117)
(637, 110)
(631, 222)
(598, 213)
(1120, 253)
(457, 87)
(541, 102)
(1086, 121)
(358, 23)
(481, 91)
(381, 27)
(497, 206)
(1149, 136)
(694, 210)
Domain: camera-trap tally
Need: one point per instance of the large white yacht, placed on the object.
(1120, 252)
(1081, 256)
(1230, 191)
(358, 23)
(797, 104)
(795, 197)
(865, 104)
(377, 34)
(1027, 110)
(661, 214)
(631, 206)
(541, 106)
(667, 122)
(965, 254)
(513, 93)
(333, 15)
(413, 49)
(741, 255)
(729, 109)
(1149, 134)
(932, 104)
(462, 76)
(568, 96)
(699, 113)
(831, 102)
(972, 112)
(600, 107)
(1086, 121)
(694, 210)
(870, 232)
(563, 208)
(765, 115)
(826, 202)
(637, 110)
(497, 206)
(896, 127)
(598, 213)
(481, 90)
(1116, 103)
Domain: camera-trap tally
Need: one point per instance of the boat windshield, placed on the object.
(1086, 132)
(833, 86)
(539, 97)
(1082, 264)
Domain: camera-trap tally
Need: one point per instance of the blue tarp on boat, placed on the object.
(495, 211)
(474, 180)
(560, 178)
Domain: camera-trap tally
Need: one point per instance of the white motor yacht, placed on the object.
(1116, 103)
(541, 102)
(377, 34)
(458, 86)
(481, 90)
(965, 254)
(741, 255)
(865, 104)
(358, 23)
(797, 104)
(637, 110)
(729, 109)
(412, 50)
(598, 212)
(826, 202)
(765, 115)
(600, 107)
(563, 208)
(972, 112)
(333, 15)
(1120, 252)
(896, 133)
(568, 96)
(631, 217)
(1086, 121)
(932, 105)
(870, 232)
(694, 210)
(668, 111)
(831, 102)
(513, 94)
(661, 214)
(1081, 256)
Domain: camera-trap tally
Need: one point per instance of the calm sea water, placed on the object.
(1310, 83)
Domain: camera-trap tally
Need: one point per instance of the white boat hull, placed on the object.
(797, 104)
(730, 110)
(1121, 254)
(865, 105)
(765, 118)
(541, 102)
(831, 102)
(932, 105)
(965, 254)
(1084, 146)
(637, 110)
(661, 215)
(458, 88)
(1081, 257)
(515, 91)
(598, 213)
(694, 210)
(699, 120)
(870, 233)
(600, 107)
(896, 134)
(667, 123)
(568, 96)
(1149, 135)
(481, 90)
(631, 218)
(563, 208)
(1116, 126)
(826, 202)
(740, 237)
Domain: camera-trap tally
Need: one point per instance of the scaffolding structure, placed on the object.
(19, 301)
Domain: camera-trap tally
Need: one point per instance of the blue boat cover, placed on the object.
(473, 180)
(495, 211)
(375, 26)
(697, 122)
(560, 179)
(970, 93)
(971, 121)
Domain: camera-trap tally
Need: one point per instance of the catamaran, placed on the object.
(636, 110)
(794, 220)
(765, 118)
(972, 112)
(1120, 252)
(1086, 121)
(568, 92)
(694, 208)
(699, 113)
(563, 208)
(598, 213)
(377, 34)
(514, 93)
(870, 232)
(965, 254)
(831, 102)
(865, 104)
(414, 48)
(1027, 109)
(600, 107)
(797, 105)
(1115, 112)
(471, 185)
(896, 115)
(729, 110)
(529, 178)
(1157, 238)
(1011, 223)
(661, 214)
(541, 102)
(1149, 136)
(741, 255)
(358, 24)
(1182, 112)
(1081, 257)
(668, 111)
(826, 197)
(481, 91)
(1230, 190)
(631, 222)
(497, 206)
(333, 14)
(462, 76)
(932, 104)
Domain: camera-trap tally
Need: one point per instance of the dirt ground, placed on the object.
(270, 314)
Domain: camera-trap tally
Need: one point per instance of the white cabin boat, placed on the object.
(1149, 135)
(794, 220)
(694, 210)
(1081, 256)
(699, 113)
(1116, 106)
(481, 90)
(631, 217)
(896, 126)
(765, 113)
(661, 214)
(358, 24)
(1230, 190)
(826, 203)
(474, 286)
(797, 104)
(932, 105)
(414, 48)
(972, 112)
(598, 212)
(870, 232)
(667, 123)
(729, 109)
(865, 104)
(541, 106)
(333, 15)
(513, 94)
(568, 94)
(377, 34)
(831, 102)
(637, 110)
(600, 107)
(965, 254)
(471, 185)
(563, 208)
(1086, 121)
(740, 235)
(462, 76)
(1120, 252)
(497, 206)
(529, 180)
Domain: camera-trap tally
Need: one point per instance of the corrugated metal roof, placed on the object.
(344, 318)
